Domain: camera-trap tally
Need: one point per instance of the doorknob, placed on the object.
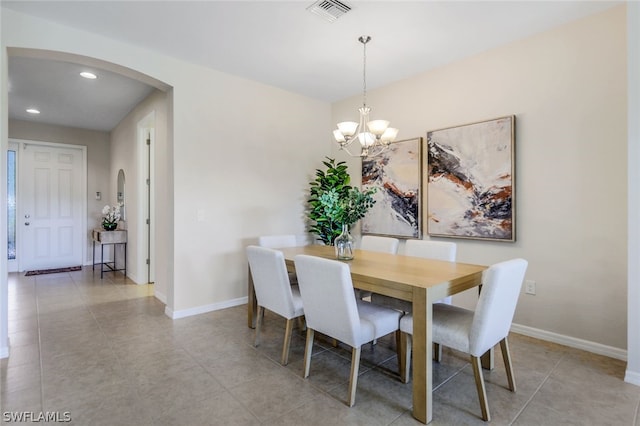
(26, 216)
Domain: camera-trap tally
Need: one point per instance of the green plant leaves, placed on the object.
(333, 201)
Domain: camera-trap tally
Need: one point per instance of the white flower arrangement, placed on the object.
(111, 215)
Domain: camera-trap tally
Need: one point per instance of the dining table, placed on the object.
(417, 280)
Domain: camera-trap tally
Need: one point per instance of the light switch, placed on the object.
(98, 195)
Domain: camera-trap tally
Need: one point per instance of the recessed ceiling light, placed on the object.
(89, 75)
(33, 111)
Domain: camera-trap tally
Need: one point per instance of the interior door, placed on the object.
(51, 194)
(12, 191)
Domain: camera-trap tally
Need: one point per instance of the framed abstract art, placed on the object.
(396, 175)
(469, 178)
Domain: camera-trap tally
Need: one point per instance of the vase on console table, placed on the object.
(109, 226)
(344, 244)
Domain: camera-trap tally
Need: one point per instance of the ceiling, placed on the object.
(279, 43)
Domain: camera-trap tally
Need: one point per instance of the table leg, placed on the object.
(101, 260)
(252, 305)
(93, 255)
(422, 355)
(125, 260)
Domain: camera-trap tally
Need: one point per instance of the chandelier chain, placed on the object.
(364, 74)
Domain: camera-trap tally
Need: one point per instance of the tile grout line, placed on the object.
(87, 306)
(35, 284)
(528, 401)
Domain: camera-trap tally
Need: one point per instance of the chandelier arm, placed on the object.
(375, 150)
(346, 149)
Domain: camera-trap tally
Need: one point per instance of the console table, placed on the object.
(102, 237)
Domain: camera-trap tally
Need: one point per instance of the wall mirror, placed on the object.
(121, 194)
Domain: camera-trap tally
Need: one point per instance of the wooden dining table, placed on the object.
(418, 280)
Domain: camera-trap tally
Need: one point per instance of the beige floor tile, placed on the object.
(105, 351)
(274, 393)
(217, 409)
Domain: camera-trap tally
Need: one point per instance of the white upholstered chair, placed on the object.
(381, 244)
(277, 241)
(437, 250)
(280, 241)
(476, 332)
(331, 308)
(274, 291)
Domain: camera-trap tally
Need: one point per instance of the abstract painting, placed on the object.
(396, 175)
(470, 180)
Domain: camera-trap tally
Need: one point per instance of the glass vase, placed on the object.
(344, 244)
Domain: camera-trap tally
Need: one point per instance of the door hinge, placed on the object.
(148, 261)
(148, 221)
(148, 181)
(149, 141)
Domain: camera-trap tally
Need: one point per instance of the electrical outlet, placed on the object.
(530, 287)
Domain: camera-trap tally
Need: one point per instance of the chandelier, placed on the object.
(374, 136)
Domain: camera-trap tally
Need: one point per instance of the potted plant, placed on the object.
(110, 217)
(335, 206)
(334, 177)
(346, 209)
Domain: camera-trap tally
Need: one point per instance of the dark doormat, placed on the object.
(52, 271)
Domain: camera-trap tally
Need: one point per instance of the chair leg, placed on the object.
(308, 348)
(506, 355)
(302, 323)
(259, 320)
(404, 357)
(287, 342)
(353, 380)
(482, 391)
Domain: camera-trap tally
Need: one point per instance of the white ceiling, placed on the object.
(276, 42)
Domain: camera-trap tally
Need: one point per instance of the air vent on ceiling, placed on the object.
(329, 9)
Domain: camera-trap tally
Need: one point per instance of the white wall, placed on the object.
(98, 156)
(125, 155)
(567, 88)
(241, 152)
(633, 296)
(4, 294)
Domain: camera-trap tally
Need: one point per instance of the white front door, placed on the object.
(51, 206)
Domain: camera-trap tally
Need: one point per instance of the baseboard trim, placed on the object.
(572, 342)
(632, 377)
(204, 308)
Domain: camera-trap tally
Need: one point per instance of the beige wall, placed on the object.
(567, 88)
(241, 154)
(126, 155)
(98, 158)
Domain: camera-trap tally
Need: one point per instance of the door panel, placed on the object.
(52, 209)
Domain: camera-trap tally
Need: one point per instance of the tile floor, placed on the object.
(103, 351)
